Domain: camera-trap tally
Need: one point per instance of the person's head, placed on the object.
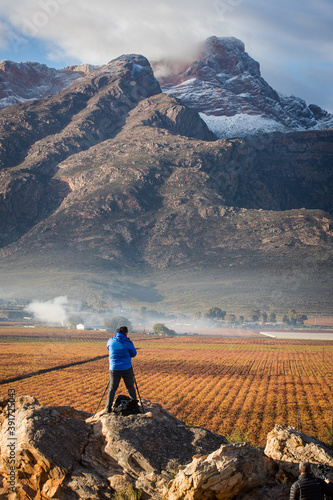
(304, 467)
(123, 330)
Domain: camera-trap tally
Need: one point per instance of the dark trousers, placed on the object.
(115, 378)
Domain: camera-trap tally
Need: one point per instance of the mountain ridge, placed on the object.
(113, 176)
(21, 82)
(224, 81)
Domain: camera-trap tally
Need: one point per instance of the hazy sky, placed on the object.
(291, 39)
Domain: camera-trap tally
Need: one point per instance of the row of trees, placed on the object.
(294, 318)
(256, 315)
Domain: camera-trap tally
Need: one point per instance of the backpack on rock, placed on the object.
(124, 405)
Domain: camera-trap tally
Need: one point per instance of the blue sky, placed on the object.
(291, 39)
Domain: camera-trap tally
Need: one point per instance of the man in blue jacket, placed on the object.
(121, 351)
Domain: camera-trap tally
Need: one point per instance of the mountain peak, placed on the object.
(227, 42)
(224, 83)
(228, 55)
(217, 58)
(215, 45)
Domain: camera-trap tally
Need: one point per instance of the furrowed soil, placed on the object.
(236, 386)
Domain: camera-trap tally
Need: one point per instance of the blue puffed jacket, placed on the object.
(121, 350)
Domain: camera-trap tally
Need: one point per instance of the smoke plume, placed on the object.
(50, 311)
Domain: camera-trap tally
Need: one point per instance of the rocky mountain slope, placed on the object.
(224, 84)
(114, 176)
(63, 453)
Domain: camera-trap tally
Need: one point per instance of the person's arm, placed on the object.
(294, 492)
(131, 348)
(328, 488)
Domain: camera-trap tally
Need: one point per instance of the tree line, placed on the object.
(256, 316)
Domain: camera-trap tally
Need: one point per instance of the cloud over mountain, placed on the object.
(290, 39)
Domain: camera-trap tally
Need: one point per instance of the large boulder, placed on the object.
(231, 470)
(289, 446)
(41, 447)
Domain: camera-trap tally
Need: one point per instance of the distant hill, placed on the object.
(21, 82)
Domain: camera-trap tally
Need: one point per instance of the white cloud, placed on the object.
(280, 35)
(98, 31)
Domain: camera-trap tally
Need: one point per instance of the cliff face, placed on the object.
(63, 453)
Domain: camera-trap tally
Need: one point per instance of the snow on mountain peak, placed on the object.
(225, 86)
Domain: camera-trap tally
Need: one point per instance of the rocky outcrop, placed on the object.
(62, 453)
(288, 447)
(246, 471)
(45, 444)
(225, 82)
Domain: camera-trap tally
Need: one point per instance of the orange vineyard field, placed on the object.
(228, 385)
